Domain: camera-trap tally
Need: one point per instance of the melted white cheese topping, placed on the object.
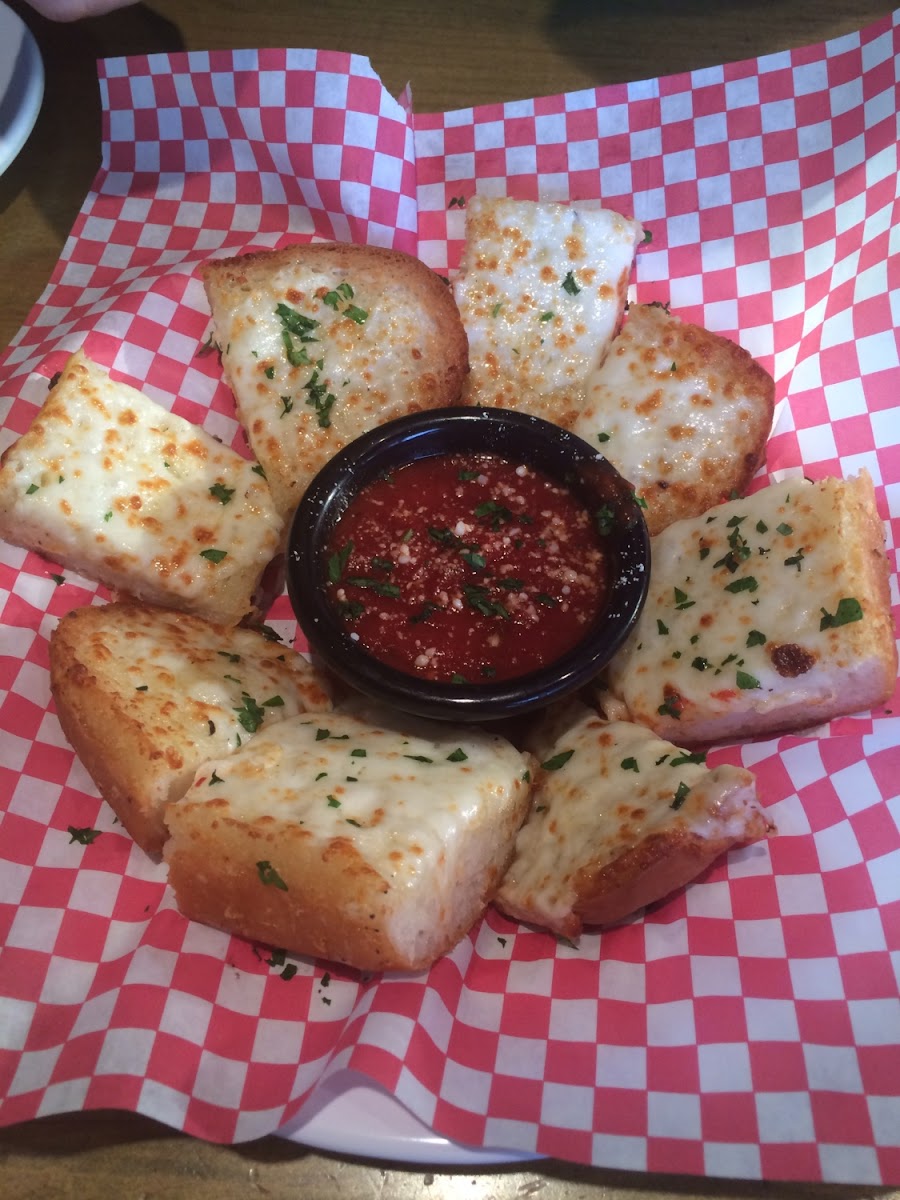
(606, 788)
(541, 291)
(676, 404)
(364, 357)
(737, 602)
(111, 483)
(405, 793)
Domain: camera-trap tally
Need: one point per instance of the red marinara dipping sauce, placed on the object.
(467, 568)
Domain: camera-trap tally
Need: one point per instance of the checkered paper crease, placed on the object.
(748, 1027)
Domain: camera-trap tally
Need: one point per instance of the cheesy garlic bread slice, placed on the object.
(542, 290)
(377, 843)
(320, 343)
(112, 485)
(770, 613)
(682, 413)
(619, 819)
(145, 695)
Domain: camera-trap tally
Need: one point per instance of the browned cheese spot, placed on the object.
(574, 247)
(791, 660)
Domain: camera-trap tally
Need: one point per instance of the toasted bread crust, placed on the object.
(408, 351)
(142, 696)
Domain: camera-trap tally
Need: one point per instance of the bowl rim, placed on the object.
(549, 448)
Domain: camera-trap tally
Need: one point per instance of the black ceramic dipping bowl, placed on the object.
(510, 435)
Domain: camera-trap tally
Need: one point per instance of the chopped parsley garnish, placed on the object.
(381, 564)
(273, 702)
(458, 755)
(557, 761)
(350, 610)
(681, 759)
(337, 563)
(232, 658)
(214, 778)
(746, 682)
(250, 714)
(602, 437)
(681, 794)
(422, 758)
(214, 556)
(269, 876)
(496, 513)
(444, 536)
(107, 516)
(295, 328)
(496, 309)
(671, 706)
(221, 493)
(333, 801)
(547, 316)
(58, 578)
(478, 597)
(847, 611)
(457, 202)
(648, 238)
(639, 500)
(31, 489)
(473, 558)
(378, 586)
(682, 600)
(427, 609)
(569, 285)
(258, 469)
(795, 559)
(630, 764)
(784, 529)
(661, 627)
(84, 836)
(604, 519)
(755, 638)
(747, 584)
(341, 293)
(700, 663)
(319, 397)
(358, 753)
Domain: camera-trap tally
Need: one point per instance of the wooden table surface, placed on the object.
(453, 54)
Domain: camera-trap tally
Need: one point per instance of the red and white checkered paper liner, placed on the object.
(750, 1027)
